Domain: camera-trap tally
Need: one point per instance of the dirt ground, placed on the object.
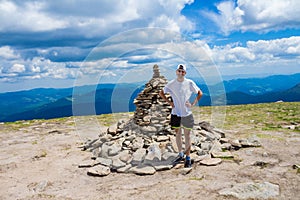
(40, 161)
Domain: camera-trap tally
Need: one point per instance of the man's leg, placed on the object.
(180, 156)
(187, 137)
(179, 139)
(188, 123)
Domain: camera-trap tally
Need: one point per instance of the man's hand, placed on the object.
(188, 104)
(172, 104)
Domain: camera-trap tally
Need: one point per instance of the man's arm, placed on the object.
(199, 95)
(163, 96)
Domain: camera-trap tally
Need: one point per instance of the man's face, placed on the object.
(180, 73)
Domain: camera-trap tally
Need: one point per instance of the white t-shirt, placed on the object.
(181, 93)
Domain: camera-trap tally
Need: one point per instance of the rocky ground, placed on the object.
(40, 158)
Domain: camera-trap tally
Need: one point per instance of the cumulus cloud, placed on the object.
(7, 52)
(256, 15)
(95, 16)
(276, 52)
(27, 17)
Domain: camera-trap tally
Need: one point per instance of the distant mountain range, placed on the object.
(108, 98)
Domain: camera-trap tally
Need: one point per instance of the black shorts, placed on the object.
(187, 122)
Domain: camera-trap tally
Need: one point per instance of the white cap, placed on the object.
(181, 66)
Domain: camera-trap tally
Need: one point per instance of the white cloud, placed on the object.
(27, 17)
(256, 15)
(278, 47)
(7, 53)
(98, 17)
(17, 68)
(263, 56)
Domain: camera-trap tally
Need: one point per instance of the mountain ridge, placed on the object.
(100, 99)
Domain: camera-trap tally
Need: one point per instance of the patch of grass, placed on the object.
(196, 178)
(268, 136)
(43, 154)
(110, 119)
(34, 142)
(256, 117)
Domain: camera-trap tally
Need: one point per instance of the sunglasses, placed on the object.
(181, 71)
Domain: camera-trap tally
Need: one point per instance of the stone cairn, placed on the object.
(146, 144)
(152, 111)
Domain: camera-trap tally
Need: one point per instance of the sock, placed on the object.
(181, 154)
(188, 158)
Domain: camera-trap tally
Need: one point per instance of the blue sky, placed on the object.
(61, 43)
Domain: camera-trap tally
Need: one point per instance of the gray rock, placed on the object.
(112, 130)
(226, 154)
(87, 163)
(168, 156)
(103, 161)
(163, 167)
(124, 169)
(148, 129)
(251, 142)
(206, 146)
(216, 146)
(124, 156)
(114, 149)
(252, 190)
(226, 146)
(153, 156)
(138, 143)
(138, 156)
(99, 170)
(185, 171)
(162, 138)
(143, 170)
(104, 149)
(117, 163)
(211, 161)
(235, 143)
(208, 135)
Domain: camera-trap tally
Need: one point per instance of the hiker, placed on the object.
(181, 90)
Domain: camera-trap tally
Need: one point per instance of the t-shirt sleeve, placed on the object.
(194, 88)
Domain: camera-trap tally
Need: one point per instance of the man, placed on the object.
(181, 90)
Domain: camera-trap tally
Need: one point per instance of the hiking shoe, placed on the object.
(177, 160)
(187, 163)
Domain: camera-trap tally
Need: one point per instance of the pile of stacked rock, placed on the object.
(145, 144)
(151, 109)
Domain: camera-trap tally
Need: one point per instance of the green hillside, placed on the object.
(243, 119)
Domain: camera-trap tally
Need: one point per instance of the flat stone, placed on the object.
(124, 169)
(162, 138)
(250, 143)
(198, 158)
(138, 156)
(148, 129)
(154, 153)
(103, 161)
(211, 161)
(235, 143)
(162, 167)
(87, 163)
(252, 190)
(208, 135)
(168, 156)
(226, 146)
(143, 170)
(99, 170)
(185, 171)
(124, 156)
(117, 163)
(226, 154)
(114, 149)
